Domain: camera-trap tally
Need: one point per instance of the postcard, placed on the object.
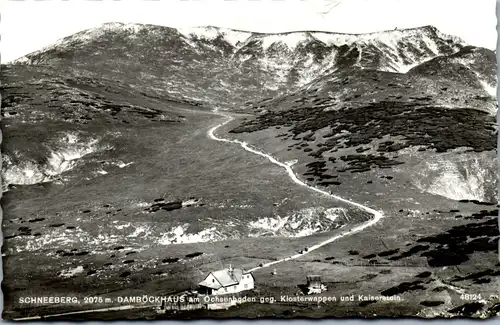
(249, 159)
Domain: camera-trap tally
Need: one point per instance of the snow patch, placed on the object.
(233, 37)
(121, 164)
(71, 272)
(390, 42)
(305, 222)
(120, 227)
(189, 202)
(142, 204)
(179, 235)
(464, 177)
(144, 231)
(56, 238)
(491, 90)
(100, 240)
(70, 148)
(291, 40)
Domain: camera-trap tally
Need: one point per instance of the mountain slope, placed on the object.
(228, 67)
(473, 66)
(107, 161)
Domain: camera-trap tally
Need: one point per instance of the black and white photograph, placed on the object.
(247, 159)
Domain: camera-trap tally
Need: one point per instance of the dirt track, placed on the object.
(377, 215)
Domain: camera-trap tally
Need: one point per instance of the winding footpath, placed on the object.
(377, 215)
(211, 133)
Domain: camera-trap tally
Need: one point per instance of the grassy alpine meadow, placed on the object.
(350, 174)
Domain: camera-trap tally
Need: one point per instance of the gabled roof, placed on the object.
(208, 284)
(224, 278)
(313, 278)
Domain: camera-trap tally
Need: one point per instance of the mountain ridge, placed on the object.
(205, 64)
(187, 31)
(226, 29)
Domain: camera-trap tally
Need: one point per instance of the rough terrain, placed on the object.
(113, 188)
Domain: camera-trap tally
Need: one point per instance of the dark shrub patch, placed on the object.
(165, 206)
(402, 288)
(431, 303)
(390, 252)
(170, 260)
(192, 255)
(56, 225)
(435, 127)
(439, 289)
(468, 309)
(460, 241)
(36, 220)
(125, 274)
(425, 274)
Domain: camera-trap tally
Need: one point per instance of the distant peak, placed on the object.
(429, 27)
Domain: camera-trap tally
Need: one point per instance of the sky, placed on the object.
(29, 25)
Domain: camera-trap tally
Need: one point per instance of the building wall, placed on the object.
(246, 283)
(314, 284)
(226, 290)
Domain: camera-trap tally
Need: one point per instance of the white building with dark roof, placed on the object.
(226, 281)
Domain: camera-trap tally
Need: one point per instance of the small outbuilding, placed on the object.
(314, 284)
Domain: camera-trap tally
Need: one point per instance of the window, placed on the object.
(246, 286)
(225, 289)
(213, 280)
